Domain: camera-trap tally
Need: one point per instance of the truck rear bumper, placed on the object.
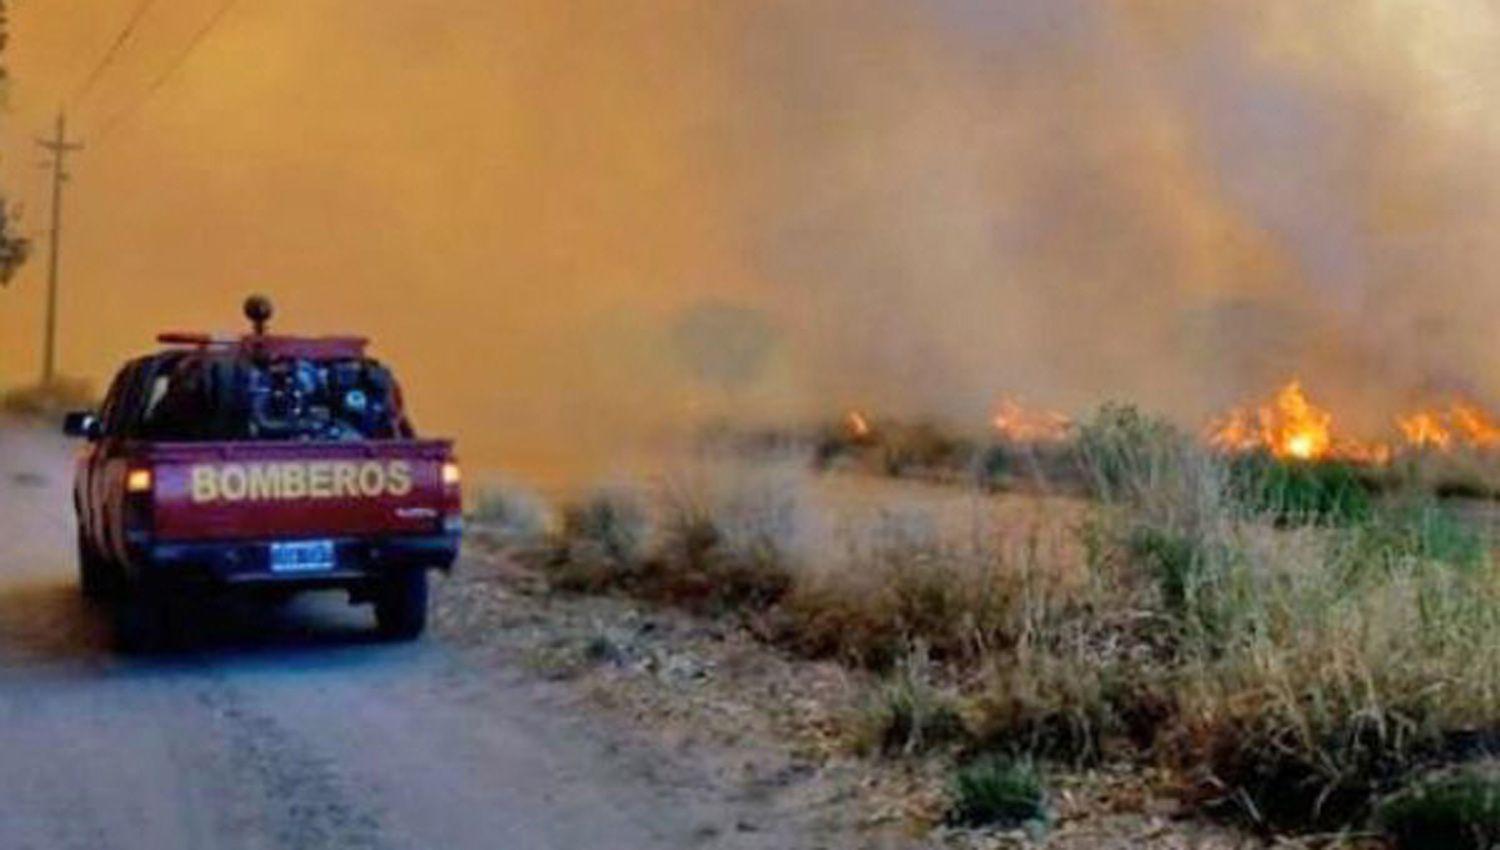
(247, 563)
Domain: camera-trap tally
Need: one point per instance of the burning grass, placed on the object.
(1289, 445)
(1294, 650)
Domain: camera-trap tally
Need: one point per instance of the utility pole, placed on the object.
(60, 147)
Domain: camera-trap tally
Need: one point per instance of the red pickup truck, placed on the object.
(265, 465)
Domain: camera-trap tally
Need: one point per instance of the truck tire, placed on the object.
(401, 604)
(95, 578)
(142, 620)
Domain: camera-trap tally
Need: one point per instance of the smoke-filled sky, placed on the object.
(564, 221)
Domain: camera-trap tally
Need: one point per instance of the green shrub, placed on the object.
(1297, 492)
(1179, 562)
(994, 466)
(995, 790)
(1460, 811)
(1420, 531)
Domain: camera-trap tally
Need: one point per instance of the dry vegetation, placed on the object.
(51, 399)
(1294, 653)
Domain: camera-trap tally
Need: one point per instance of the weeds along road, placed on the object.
(297, 732)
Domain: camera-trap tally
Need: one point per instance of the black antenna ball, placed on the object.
(258, 310)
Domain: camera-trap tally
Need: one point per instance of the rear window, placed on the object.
(222, 397)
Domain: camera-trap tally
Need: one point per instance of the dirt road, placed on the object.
(299, 732)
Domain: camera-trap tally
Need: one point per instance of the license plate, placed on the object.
(303, 556)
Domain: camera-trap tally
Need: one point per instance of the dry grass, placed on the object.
(512, 515)
(911, 713)
(52, 399)
(1295, 667)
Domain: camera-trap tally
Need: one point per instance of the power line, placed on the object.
(114, 50)
(198, 38)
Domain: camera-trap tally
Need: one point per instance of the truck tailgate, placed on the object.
(288, 490)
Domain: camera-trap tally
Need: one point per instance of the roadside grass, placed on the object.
(1295, 649)
(712, 545)
(910, 714)
(514, 515)
(61, 395)
(599, 543)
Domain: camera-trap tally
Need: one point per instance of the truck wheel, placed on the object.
(401, 604)
(94, 575)
(142, 620)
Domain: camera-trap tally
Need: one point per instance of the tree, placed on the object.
(14, 248)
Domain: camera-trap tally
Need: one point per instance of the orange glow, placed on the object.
(1021, 425)
(858, 425)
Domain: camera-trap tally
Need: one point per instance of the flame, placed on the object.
(858, 425)
(1021, 425)
(1290, 426)
(1425, 430)
(1477, 425)
(1463, 424)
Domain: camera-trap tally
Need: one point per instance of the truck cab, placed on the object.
(263, 465)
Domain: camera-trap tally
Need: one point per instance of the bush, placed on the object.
(910, 715)
(515, 515)
(609, 523)
(1128, 457)
(710, 546)
(1459, 811)
(904, 579)
(923, 447)
(999, 791)
(727, 544)
(1349, 664)
(1268, 628)
(1293, 492)
(1418, 531)
(599, 545)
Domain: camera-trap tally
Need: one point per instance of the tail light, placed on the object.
(453, 499)
(138, 481)
(139, 486)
